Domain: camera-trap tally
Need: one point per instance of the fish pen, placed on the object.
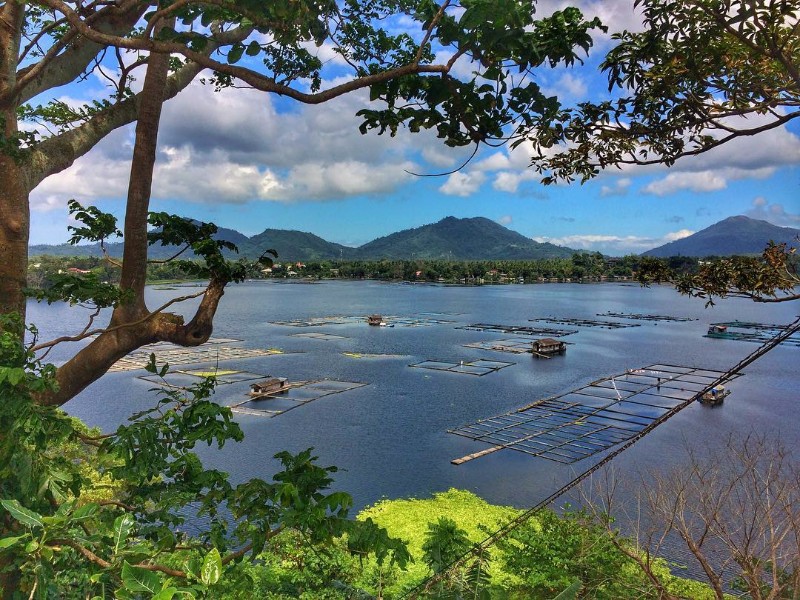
(291, 396)
(319, 321)
(421, 320)
(513, 346)
(184, 379)
(745, 331)
(519, 329)
(583, 422)
(645, 317)
(317, 335)
(479, 367)
(585, 322)
(178, 355)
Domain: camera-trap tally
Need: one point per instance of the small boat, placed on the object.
(718, 330)
(715, 396)
(268, 387)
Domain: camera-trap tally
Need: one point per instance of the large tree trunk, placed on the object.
(132, 324)
(14, 226)
(14, 211)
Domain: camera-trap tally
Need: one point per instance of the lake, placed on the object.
(389, 438)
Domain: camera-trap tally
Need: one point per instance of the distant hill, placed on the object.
(451, 239)
(734, 235)
(460, 239)
(116, 249)
(294, 245)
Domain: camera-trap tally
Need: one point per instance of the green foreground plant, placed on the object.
(88, 515)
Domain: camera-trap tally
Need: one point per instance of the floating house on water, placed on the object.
(548, 346)
(376, 320)
(269, 386)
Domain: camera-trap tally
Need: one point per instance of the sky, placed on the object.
(250, 161)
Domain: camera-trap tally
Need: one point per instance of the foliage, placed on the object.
(63, 536)
(772, 277)
(701, 73)
(550, 553)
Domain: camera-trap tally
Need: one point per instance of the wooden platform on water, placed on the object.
(585, 421)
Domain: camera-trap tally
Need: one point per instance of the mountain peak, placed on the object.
(735, 235)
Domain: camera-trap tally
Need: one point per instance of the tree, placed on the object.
(49, 43)
(772, 277)
(736, 511)
(702, 73)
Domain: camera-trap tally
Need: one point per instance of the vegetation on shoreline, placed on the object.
(45, 271)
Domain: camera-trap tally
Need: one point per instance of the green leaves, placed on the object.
(211, 570)
(136, 579)
(98, 226)
(22, 515)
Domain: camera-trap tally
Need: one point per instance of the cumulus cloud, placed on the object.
(614, 244)
(505, 220)
(618, 188)
(704, 181)
(568, 87)
(237, 146)
(462, 184)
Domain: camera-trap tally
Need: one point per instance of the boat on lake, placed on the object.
(715, 396)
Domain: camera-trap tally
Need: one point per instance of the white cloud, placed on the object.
(462, 184)
(614, 244)
(704, 181)
(509, 181)
(568, 88)
(505, 220)
(619, 188)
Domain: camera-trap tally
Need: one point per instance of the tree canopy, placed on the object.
(700, 74)
(409, 54)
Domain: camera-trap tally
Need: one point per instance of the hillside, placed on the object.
(460, 239)
(734, 235)
(451, 239)
(294, 245)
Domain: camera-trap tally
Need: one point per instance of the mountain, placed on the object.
(460, 239)
(115, 249)
(451, 239)
(734, 235)
(295, 245)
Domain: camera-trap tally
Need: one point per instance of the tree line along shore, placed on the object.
(45, 270)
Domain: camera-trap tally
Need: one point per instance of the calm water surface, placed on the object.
(389, 437)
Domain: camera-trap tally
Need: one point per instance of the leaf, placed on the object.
(122, 528)
(166, 594)
(10, 541)
(22, 514)
(136, 579)
(212, 567)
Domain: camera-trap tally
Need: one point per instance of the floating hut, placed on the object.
(717, 330)
(269, 386)
(548, 346)
(376, 320)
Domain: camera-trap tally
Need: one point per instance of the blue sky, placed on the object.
(248, 161)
